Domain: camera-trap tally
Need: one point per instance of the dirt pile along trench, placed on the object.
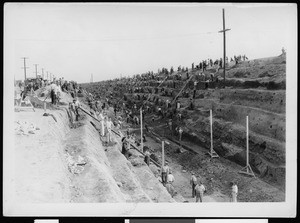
(63, 164)
(253, 88)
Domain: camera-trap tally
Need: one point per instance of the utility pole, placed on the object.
(35, 70)
(24, 58)
(224, 44)
(142, 140)
(248, 168)
(43, 73)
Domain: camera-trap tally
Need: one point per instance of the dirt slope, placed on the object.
(55, 163)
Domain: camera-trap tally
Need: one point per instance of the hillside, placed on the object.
(66, 164)
(254, 88)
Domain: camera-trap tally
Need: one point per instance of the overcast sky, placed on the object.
(76, 40)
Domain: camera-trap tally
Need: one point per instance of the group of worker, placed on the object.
(167, 178)
(198, 188)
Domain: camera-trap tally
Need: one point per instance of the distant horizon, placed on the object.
(108, 40)
(176, 70)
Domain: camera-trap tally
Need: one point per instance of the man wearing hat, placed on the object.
(169, 185)
(234, 192)
(170, 177)
(199, 190)
(193, 182)
(164, 173)
(77, 105)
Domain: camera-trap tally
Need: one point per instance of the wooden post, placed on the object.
(224, 44)
(212, 152)
(36, 70)
(247, 142)
(163, 153)
(24, 58)
(224, 41)
(141, 118)
(248, 168)
(211, 133)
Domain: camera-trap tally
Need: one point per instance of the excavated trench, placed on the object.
(65, 164)
(266, 112)
(105, 175)
(253, 88)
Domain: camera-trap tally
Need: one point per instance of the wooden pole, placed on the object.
(36, 70)
(163, 153)
(24, 67)
(248, 168)
(141, 118)
(247, 142)
(24, 58)
(212, 153)
(224, 44)
(211, 133)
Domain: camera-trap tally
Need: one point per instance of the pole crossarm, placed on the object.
(221, 31)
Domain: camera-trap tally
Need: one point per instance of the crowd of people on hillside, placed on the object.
(143, 95)
(56, 86)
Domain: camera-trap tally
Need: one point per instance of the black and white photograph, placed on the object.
(150, 109)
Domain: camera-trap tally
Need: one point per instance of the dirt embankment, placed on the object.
(56, 163)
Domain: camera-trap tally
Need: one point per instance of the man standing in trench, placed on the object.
(199, 190)
(193, 182)
(77, 105)
(109, 126)
(234, 192)
(169, 184)
(164, 173)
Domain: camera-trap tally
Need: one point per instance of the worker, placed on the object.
(109, 126)
(199, 190)
(72, 113)
(193, 182)
(124, 147)
(170, 188)
(234, 192)
(128, 145)
(170, 126)
(170, 178)
(147, 157)
(178, 105)
(164, 173)
(53, 93)
(105, 131)
(77, 106)
(180, 133)
(102, 123)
